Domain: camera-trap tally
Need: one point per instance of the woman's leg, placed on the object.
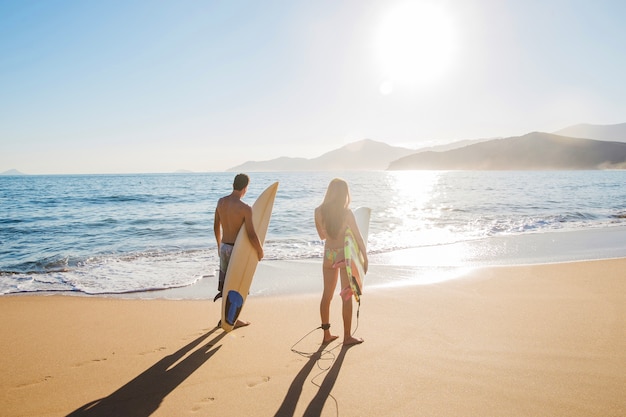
(330, 283)
(347, 313)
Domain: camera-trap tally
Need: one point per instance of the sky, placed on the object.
(97, 87)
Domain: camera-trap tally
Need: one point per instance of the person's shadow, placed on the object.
(143, 395)
(288, 407)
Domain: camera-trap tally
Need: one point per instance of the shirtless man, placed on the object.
(230, 214)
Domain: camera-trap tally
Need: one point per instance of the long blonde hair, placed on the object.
(334, 206)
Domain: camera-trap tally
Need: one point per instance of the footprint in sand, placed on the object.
(79, 364)
(202, 403)
(257, 381)
(196, 335)
(28, 384)
(153, 351)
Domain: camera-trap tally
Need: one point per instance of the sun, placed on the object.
(415, 45)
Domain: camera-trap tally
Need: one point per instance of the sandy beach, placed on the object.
(540, 340)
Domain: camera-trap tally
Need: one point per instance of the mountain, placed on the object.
(616, 133)
(283, 163)
(534, 151)
(524, 152)
(12, 172)
(366, 154)
(453, 145)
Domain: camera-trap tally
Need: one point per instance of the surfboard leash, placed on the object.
(358, 310)
(328, 350)
(305, 354)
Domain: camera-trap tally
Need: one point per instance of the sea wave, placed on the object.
(115, 234)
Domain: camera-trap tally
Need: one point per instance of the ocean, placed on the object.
(118, 234)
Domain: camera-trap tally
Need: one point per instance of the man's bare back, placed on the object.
(231, 212)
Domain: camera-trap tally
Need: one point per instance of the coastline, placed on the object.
(423, 265)
(544, 339)
(195, 278)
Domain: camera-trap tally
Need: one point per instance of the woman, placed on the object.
(332, 218)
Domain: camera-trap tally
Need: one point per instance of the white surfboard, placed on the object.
(353, 256)
(362, 215)
(244, 260)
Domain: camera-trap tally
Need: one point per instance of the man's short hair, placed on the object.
(241, 181)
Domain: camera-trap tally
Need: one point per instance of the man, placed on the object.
(230, 214)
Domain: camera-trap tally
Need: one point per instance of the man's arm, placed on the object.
(254, 239)
(217, 229)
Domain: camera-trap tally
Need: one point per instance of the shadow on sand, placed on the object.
(315, 407)
(143, 395)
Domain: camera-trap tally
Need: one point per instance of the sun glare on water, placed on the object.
(415, 45)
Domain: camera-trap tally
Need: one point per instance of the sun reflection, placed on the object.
(411, 207)
(416, 184)
(393, 276)
(423, 265)
(458, 254)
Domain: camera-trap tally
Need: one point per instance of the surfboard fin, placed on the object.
(234, 303)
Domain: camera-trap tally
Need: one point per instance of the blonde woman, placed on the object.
(332, 218)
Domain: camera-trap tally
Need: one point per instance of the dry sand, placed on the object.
(546, 340)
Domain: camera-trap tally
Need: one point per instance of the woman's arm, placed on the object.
(318, 223)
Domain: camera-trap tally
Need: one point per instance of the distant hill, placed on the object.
(452, 145)
(363, 155)
(284, 163)
(12, 172)
(524, 154)
(616, 133)
(534, 151)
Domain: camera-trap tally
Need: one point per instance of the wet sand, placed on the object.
(540, 340)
